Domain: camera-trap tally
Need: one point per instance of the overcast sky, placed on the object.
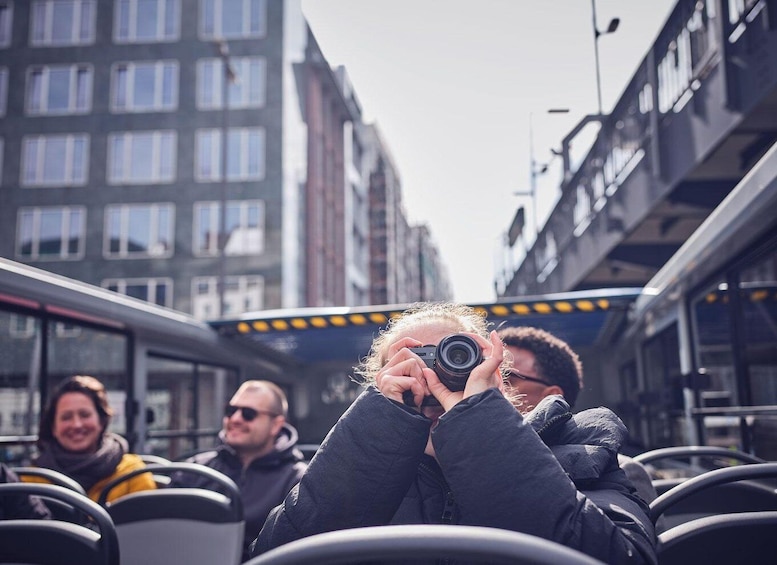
(451, 85)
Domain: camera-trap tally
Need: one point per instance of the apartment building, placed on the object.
(199, 154)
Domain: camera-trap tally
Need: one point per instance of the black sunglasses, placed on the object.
(248, 414)
(512, 373)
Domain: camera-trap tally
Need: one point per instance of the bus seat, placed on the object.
(52, 476)
(172, 526)
(421, 542)
(747, 537)
(663, 485)
(59, 510)
(685, 460)
(150, 459)
(52, 542)
(720, 491)
(160, 479)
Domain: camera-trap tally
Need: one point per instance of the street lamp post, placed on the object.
(536, 169)
(611, 27)
(227, 78)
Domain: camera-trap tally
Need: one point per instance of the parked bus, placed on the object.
(167, 374)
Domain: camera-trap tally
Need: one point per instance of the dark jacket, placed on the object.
(263, 484)
(20, 506)
(549, 474)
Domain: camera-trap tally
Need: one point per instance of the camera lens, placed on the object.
(457, 355)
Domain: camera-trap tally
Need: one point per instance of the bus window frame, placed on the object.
(731, 272)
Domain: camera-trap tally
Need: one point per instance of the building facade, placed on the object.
(201, 155)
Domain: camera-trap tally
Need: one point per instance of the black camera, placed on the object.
(452, 359)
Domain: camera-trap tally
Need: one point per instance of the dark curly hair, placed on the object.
(555, 360)
(89, 386)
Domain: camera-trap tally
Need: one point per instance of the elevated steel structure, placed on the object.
(698, 113)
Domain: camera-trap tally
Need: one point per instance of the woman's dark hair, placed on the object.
(84, 384)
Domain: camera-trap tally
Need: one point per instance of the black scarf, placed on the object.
(86, 468)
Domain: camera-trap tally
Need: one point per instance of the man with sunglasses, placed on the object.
(258, 451)
(543, 365)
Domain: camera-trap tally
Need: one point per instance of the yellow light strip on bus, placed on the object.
(494, 311)
(521, 309)
(338, 321)
(585, 305)
(759, 295)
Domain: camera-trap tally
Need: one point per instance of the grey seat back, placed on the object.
(52, 476)
(473, 544)
(59, 510)
(160, 479)
(171, 526)
(747, 537)
(704, 494)
(54, 542)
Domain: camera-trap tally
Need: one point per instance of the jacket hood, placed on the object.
(585, 443)
(287, 438)
(555, 423)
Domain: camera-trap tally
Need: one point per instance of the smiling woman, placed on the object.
(74, 440)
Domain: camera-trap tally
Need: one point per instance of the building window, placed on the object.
(138, 230)
(55, 232)
(244, 233)
(24, 327)
(241, 294)
(20, 326)
(245, 154)
(145, 87)
(225, 19)
(3, 90)
(145, 157)
(62, 22)
(6, 17)
(55, 160)
(63, 89)
(143, 21)
(155, 291)
(248, 91)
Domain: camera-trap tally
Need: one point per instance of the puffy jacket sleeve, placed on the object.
(504, 476)
(358, 477)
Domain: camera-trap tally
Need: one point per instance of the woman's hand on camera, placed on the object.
(484, 376)
(404, 371)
